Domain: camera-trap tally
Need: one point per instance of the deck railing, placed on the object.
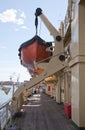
(4, 114)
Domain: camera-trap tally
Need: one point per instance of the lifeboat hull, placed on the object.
(34, 50)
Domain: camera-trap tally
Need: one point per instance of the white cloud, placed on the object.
(24, 27)
(22, 14)
(19, 21)
(3, 47)
(13, 16)
(21, 27)
(16, 29)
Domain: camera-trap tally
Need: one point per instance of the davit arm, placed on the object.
(54, 64)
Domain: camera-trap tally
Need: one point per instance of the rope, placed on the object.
(36, 23)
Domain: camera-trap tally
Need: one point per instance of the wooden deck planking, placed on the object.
(43, 113)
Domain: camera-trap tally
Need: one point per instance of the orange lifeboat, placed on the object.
(34, 50)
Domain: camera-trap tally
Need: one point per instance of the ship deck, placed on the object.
(41, 112)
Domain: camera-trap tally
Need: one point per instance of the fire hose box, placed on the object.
(48, 88)
(67, 109)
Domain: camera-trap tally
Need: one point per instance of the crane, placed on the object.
(54, 64)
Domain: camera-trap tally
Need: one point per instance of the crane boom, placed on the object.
(53, 31)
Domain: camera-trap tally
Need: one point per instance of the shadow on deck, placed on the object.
(42, 113)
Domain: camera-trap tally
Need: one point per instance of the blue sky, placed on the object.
(17, 26)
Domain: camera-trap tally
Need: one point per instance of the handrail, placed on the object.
(4, 104)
